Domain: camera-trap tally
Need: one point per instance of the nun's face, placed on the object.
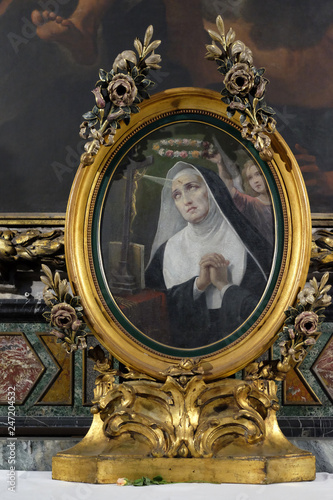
(190, 194)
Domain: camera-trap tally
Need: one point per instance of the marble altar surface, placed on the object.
(39, 486)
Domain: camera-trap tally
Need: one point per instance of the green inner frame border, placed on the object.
(130, 329)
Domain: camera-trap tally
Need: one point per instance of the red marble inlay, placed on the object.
(296, 391)
(19, 367)
(323, 368)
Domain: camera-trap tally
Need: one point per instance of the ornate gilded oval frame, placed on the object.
(98, 197)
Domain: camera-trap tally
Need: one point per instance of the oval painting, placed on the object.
(188, 226)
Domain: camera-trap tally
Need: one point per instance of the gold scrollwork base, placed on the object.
(185, 430)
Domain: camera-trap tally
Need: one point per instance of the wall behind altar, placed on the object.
(48, 69)
(48, 72)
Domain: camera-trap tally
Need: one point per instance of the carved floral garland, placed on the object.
(65, 315)
(300, 332)
(118, 93)
(244, 87)
(204, 149)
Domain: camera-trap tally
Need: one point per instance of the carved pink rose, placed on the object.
(239, 79)
(63, 315)
(122, 90)
(306, 322)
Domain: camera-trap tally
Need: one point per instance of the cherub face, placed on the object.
(256, 179)
(190, 194)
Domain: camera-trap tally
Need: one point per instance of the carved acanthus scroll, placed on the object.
(184, 416)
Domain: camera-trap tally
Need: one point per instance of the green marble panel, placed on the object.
(30, 406)
(325, 408)
(83, 383)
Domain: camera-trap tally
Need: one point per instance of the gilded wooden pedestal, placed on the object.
(185, 430)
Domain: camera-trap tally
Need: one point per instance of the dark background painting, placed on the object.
(47, 73)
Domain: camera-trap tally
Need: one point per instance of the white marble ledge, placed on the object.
(39, 486)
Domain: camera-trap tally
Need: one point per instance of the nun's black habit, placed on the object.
(193, 321)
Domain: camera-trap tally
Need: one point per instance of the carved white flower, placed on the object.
(306, 296)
